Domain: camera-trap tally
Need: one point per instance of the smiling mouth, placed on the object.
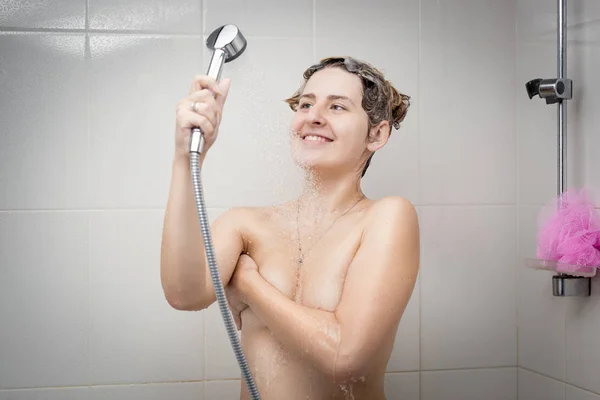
(316, 138)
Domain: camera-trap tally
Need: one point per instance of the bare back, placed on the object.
(271, 240)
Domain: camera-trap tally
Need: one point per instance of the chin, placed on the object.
(311, 159)
(306, 163)
(312, 164)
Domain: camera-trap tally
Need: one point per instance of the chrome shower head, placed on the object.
(227, 43)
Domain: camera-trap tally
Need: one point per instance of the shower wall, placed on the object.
(559, 356)
(89, 90)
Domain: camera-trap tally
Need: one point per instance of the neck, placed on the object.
(329, 195)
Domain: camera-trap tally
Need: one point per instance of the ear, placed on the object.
(378, 136)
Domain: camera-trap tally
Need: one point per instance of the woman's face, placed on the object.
(330, 127)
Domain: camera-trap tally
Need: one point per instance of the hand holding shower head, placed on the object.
(227, 43)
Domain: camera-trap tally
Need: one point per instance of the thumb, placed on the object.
(224, 90)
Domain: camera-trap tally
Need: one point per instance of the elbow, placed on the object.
(183, 297)
(180, 301)
(182, 304)
(349, 367)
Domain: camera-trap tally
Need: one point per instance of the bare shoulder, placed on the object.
(392, 222)
(392, 232)
(241, 216)
(392, 209)
(247, 219)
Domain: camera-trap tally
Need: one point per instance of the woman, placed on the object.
(317, 285)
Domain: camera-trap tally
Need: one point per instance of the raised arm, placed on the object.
(185, 275)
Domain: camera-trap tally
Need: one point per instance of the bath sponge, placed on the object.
(569, 232)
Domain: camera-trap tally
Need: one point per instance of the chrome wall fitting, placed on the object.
(571, 286)
(553, 90)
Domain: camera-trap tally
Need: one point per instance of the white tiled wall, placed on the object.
(89, 89)
(559, 357)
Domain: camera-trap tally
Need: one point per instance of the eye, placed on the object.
(304, 105)
(338, 107)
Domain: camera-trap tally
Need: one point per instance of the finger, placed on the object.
(206, 111)
(224, 86)
(199, 121)
(237, 320)
(205, 96)
(205, 82)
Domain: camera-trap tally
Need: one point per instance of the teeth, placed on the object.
(315, 138)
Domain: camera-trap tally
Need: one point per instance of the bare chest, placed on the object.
(317, 281)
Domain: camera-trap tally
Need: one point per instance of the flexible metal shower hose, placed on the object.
(216, 279)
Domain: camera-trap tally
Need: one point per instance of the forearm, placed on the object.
(183, 269)
(308, 333)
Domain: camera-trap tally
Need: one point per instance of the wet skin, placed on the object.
(303, 367)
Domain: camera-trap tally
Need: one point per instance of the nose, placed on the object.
(315, 116)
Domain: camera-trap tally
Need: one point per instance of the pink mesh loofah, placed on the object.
(570, 231)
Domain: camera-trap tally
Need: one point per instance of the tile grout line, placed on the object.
(408, 371)
(314, 30)
(469, 368)
(116, 385)
(87, 70)
(239, 379)
(203, 13)
(86, 29)
(558, 380)
(517, 285)
(154, 33)
(87, 15)
(89, 305)
(517, 189)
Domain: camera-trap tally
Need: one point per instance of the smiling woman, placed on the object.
(317, 285)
